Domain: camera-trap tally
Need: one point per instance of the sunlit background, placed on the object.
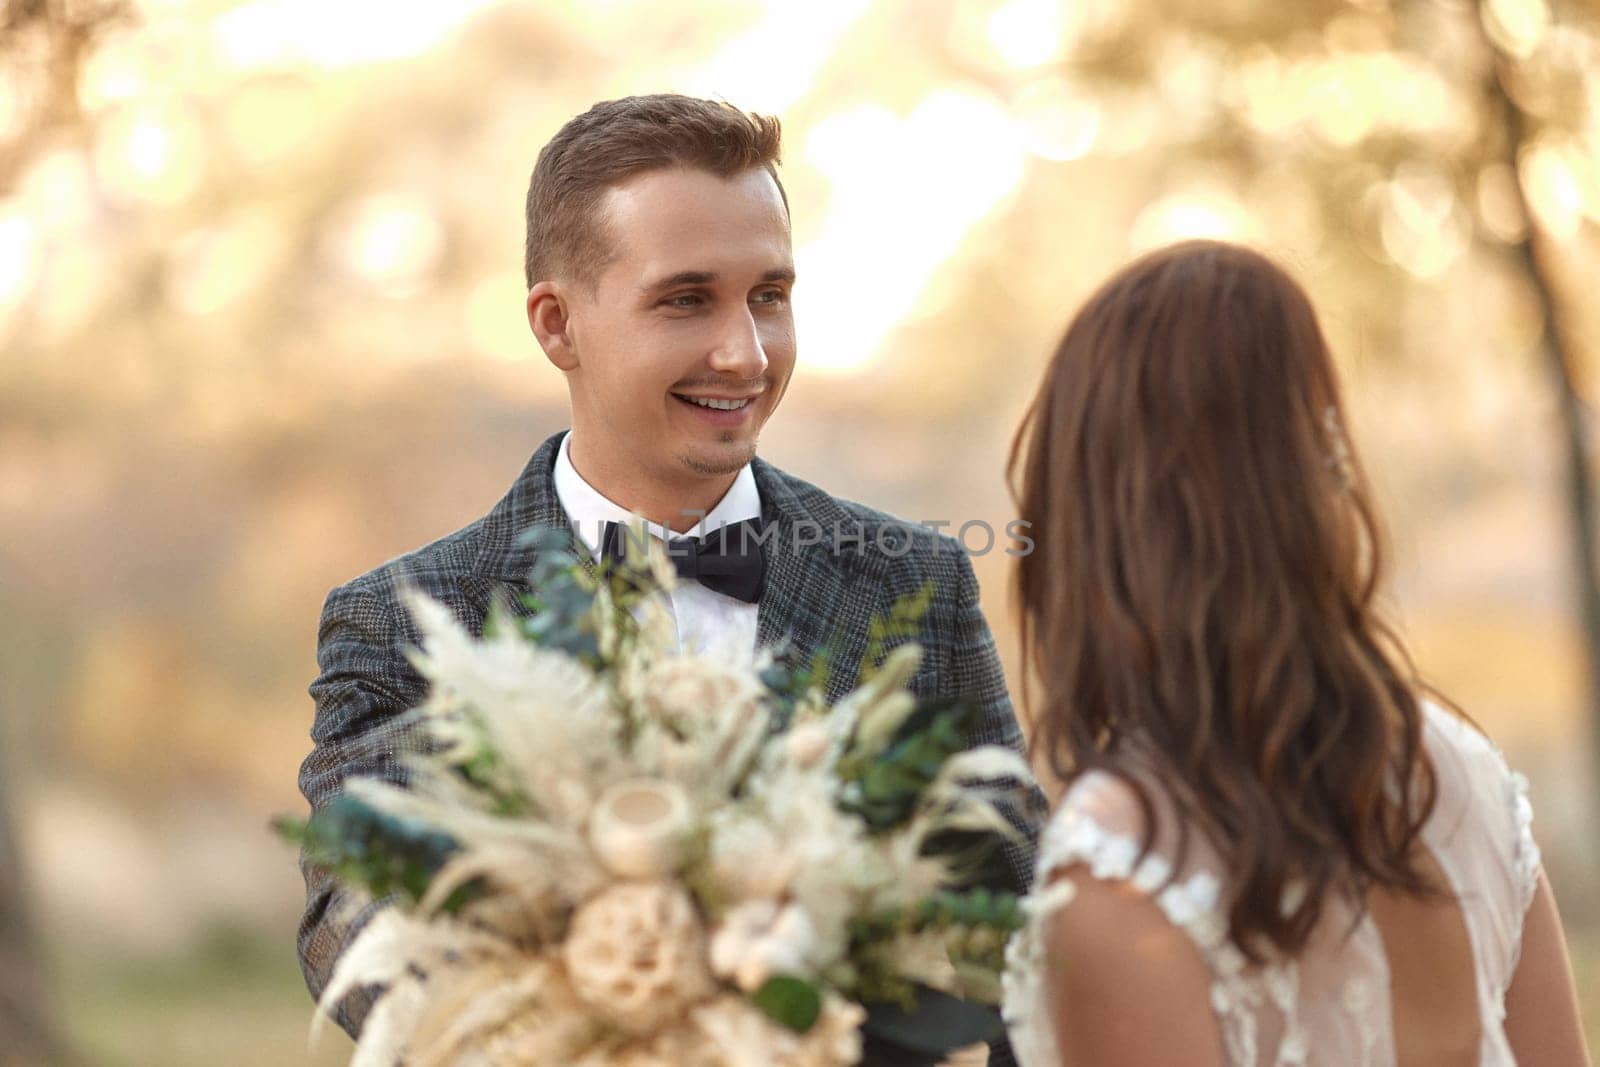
(261, 329)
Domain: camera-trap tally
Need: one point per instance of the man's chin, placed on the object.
(711, 461)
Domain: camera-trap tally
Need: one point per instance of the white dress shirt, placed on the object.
(705, 620)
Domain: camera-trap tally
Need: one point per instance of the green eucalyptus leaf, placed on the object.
(377, 851)
(886, 787)
(790, 1001)
(903, 622)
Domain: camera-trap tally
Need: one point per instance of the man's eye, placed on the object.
(771, 296)
(684, 300)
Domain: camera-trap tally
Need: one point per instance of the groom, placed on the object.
(659, 266)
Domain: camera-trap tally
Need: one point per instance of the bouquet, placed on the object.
(611, 852)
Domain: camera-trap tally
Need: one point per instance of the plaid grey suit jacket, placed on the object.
(822, 593)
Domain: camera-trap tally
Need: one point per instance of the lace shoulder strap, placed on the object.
(1099, 825)
(1489, 775)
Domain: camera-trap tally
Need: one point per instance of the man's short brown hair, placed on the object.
(615, 140)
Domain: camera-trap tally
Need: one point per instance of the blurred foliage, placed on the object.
(234, 997)
(1422, 133)
(261, 329)
(43, 45)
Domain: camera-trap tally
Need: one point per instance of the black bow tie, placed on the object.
(728, 560)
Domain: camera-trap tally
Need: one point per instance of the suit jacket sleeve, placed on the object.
(365, 682)
(976, 673)
(976, 669)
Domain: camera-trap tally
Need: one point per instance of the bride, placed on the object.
(1274, 846)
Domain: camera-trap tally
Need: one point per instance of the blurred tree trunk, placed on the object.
(25, 1034)
(1561, 365)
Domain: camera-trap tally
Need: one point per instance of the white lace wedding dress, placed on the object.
(1331, 1005)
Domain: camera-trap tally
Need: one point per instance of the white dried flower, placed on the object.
(543, 713)
(741, 1036)
(748, 858)
(700, 721)
(879, 707)
(637, 827)
(636, 954)
(835, 1040)
(833, 865)
(923, 957)
(519, 1012)
(759, 939)
(807, 743)
(692, 693)
(663, 571)
(673, 1047)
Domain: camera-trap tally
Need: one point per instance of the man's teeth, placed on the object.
(719, 405)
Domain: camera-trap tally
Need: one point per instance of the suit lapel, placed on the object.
(531, 502)
(781, 590)
(815, 598)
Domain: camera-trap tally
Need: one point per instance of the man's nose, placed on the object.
(739, 351)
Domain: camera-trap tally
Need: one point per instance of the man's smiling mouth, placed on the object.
(717, 403)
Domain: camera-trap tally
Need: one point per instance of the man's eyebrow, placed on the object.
(706, 277)
(683, 277)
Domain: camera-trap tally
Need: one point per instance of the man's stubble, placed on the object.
(708, 469)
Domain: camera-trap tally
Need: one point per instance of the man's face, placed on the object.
(686, 342)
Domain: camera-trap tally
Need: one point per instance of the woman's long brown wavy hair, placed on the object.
(1200, 596)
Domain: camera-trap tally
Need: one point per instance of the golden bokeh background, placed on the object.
(261, 329)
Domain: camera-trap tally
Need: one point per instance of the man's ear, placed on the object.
(547, 317)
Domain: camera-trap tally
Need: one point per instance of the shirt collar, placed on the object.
(588, 509)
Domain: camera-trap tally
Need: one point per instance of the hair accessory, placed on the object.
(1340, 460)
